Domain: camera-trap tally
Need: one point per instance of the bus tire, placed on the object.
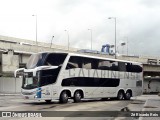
(128, 95)
(120, 95)
(77, 96)
(48, 101)
(63, 97)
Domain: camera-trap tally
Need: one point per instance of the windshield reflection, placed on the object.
(30, 82)
(49, 59)
(33, 60)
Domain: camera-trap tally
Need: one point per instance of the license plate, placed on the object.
(26, 97)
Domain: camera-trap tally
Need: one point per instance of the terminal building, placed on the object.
(15, 52)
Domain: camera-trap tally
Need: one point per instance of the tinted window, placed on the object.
(40, 59)
(74, 62)
(48, 76)
(114, 66)
(35, 60)
(55, 59)
(104, 65)
(82, 62)
(122, 66)
(91, 63)
(133, 68)
(90, 82)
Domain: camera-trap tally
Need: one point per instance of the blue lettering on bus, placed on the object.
(39, 92)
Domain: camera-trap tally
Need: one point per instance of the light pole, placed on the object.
(91, 37)
(123, 44)
(51, 41)
(127, 44)
(36, 27)
(115, 34)
(68, 38)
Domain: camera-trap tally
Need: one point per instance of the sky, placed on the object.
(137, 21)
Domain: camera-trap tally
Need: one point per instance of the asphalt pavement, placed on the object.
(149, 103)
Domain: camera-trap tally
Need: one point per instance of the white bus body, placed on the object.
(49, 76)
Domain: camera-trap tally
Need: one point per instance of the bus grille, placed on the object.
(27, 93)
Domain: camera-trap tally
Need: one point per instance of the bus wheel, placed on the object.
(77, 96)
(127, 95)
(63, 97)
(48, 101)
(120, 95)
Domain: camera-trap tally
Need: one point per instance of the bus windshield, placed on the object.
(49, 59)
(33, 61)
(30, 82)
(43, 77)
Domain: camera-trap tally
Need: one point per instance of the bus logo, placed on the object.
(6, 114)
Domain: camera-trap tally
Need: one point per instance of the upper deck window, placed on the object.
(55, 59)
(33, 60)
(50, 59)
(101, 64)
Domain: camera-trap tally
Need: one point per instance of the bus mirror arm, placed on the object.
(15, 72)
(49, 67)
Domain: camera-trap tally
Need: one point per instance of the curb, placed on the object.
(9, 94)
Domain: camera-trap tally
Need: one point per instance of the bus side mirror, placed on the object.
(18, 70)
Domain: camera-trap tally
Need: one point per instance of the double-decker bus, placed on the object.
(57, 75)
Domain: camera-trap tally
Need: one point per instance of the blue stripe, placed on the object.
(38, 92)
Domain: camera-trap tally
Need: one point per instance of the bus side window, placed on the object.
(55, 60)
(128, 67)
(94, 64)
(133, 68)
(48, 76)
(79, 62)
(86, 63)
(114, 66)
(122, 66)
(71, 65)
(104, 65)
(74, 62)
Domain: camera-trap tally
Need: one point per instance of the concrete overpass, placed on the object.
(14, 53)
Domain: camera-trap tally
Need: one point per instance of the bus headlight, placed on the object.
(35, 96)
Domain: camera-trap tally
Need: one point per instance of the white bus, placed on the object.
(56, 75)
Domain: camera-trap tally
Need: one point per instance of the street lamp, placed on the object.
(68, 38)
(123, 44)
(115, 34)
(91, 37)
(127, 44)
(36, 27)
(51, 41)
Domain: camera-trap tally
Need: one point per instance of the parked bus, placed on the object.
(56, 75)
